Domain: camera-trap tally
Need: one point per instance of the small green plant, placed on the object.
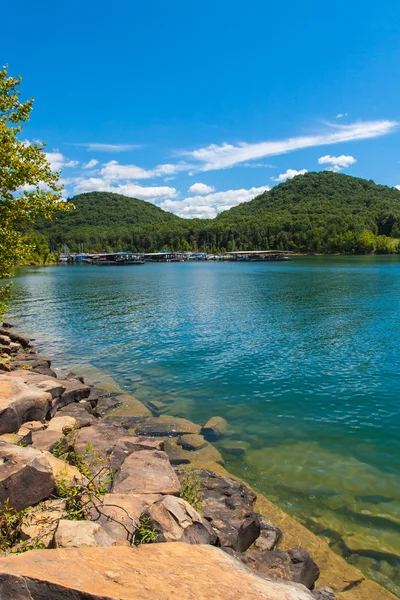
(145, 533)
(191, 489)
(11, 522)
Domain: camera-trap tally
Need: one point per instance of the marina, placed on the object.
(167, 256)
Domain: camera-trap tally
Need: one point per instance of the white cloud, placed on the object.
(337, 162)
(114, 171)
(91, 184)
(58, 161)
(92, 163)
(397, 187)
(227, 155)
(207, 207)
(98, 147)
(289, 174)
(201, 188)
(341, 115)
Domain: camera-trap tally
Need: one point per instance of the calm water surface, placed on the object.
(301, 358)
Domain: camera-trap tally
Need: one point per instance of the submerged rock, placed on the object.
(165, 426)
(169, 571)
(215, 428)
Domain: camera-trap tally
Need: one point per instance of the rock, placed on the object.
(228, 506)
(119, 514)
(33, 426)
(269, 535)
(215, 428)
(234, 447)
(146, 472)
(131, 406)
(149, 572)
(275, 564)
(165, 426)
(30, 364)
(175, 520)
(17, 438)
(192, 441)
(41, 521)
(303, 569)
(26, 476)
(78, 410)
(73, 376)
(5, 340)
(94, 396)
(156, 406)
(47, 439)
(62, 471)
(62, 424)
(20, 402)
(112, 443)
(324, 593)
(106, 403)
(77, 534)
(15, 337)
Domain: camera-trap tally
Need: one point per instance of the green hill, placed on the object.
(315, 212)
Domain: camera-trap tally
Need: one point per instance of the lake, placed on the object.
(301, 358)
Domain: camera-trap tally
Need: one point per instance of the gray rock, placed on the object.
(275, 564)
(175, 520)
(79, 413)
(269, 535)
(303, 569)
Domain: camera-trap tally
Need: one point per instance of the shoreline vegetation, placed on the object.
(87, 472)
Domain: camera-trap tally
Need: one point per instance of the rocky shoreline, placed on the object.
(139, 496)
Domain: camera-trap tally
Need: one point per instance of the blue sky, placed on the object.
(197, 106)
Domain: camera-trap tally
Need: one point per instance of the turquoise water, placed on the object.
(301, 358)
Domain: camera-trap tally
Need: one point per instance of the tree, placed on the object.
(28, 187)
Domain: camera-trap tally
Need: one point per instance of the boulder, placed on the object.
(62, 424)
(41, 521)
(26, 476)
(119, 514)
(303, 569)
(112, 443)
(192, 442)
(5, 340)
(146, 472)
(215, 428)
(15, 337)
(269, 535)
(156, 406)
(149, 572)
(79, 411)
(229, 507)
(175, 520)
(274, 564)
(165, 426)
(47, 439)
(33, 426)
(19, 403)
(77, 534)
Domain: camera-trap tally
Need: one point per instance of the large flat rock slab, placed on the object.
(146, 472)
(170, 571)
(20, 402)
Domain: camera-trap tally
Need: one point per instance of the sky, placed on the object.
(199, 106)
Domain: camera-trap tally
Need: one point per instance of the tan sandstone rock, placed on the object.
(26, 476)
(62, 424)
(150, 572)
(41, 521)
(146, 472)
(77, 534)
(19, 403)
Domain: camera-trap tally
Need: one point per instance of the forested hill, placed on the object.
(315, 212)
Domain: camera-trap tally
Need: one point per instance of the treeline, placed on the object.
(318, 212)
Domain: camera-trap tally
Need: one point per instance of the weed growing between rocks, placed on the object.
(145, 533)
(191, 489)
(11, 523)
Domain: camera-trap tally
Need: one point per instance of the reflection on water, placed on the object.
(301, 358)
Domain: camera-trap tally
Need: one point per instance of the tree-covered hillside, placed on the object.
(315, 212)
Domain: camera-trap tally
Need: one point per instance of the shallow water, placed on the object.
(301, 358)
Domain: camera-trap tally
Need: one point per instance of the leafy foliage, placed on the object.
(145, 533)
(28, 187)
(191, 489)
(315, 212)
